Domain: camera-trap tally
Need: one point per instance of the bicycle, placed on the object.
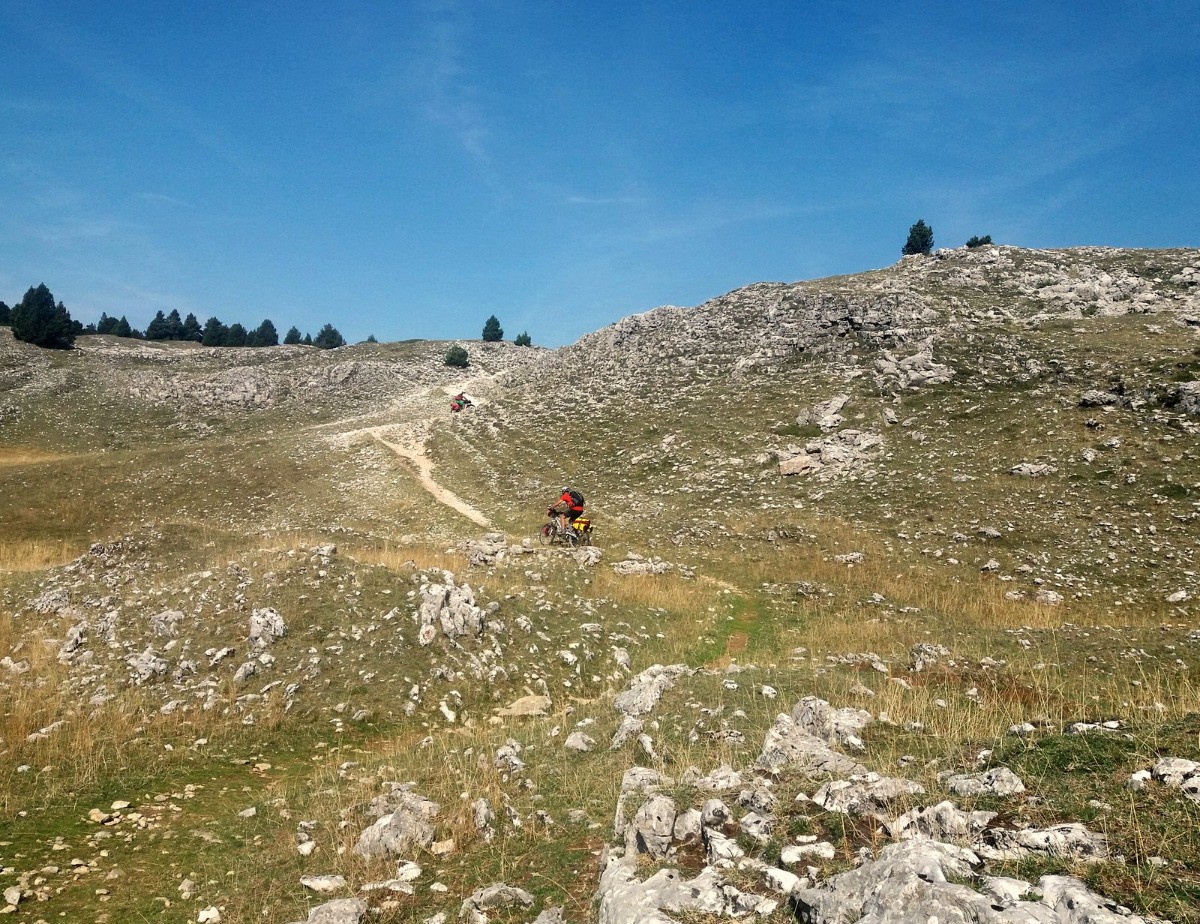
(573, 534)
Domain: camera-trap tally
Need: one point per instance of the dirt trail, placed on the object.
(417, 456)
(406, 437)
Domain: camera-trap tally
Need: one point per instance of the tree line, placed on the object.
(39, 320)
(920, 240)
(492, 333)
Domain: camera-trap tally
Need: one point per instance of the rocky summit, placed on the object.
(888, 614)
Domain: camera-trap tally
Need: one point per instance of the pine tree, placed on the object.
(5, 314)
(920, 239)
(293, 336)
(122, 328)
(38, 320)
(265, 334)
(106, 324)
(158, 329)
(371, 338)
(492, 331)
(457, 357)
(236, 335)
(174, 325)
(523, 339)
(328, 338)
(191, 329)
(214, 333)
(307, 341)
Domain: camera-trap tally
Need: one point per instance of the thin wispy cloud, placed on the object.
(116, 296)
(710, 217)
(50, 196)
(604, 200)
(68, 231)
(163, 199)
(450, 96)
(11, 104)
(108, 69)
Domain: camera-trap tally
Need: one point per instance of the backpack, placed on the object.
(576, 499)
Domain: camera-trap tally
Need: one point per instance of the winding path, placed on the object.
(417, 455)
(418, 413)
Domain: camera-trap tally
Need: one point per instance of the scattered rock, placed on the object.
(532, 705)
(998, 781)
(451, 608)
(409, 824)
(266, 626)
(941, 822)
(865, 794)
(647, 688)
(338, 911)
(1096, 398)
(1033, 469)
(1182, 774)
(794, 854)
(578, 741)
(833, 726)
(1070, 841)
(653, 827)
(145, 667)
(788, 746)
(325, 885)
(499, 895)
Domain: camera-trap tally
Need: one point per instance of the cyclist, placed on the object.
(568, 508)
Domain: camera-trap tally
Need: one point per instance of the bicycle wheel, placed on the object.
(546, 534)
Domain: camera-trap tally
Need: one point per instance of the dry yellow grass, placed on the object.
(398, 557)
(660, 591)
(20, 455)
(37, 554)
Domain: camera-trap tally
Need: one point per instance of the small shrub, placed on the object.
(523, 339)
(456, 356)
(976, 241)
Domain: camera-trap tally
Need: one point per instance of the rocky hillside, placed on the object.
(198, 387)
(890, 617)
(986, 406)
(763, 326)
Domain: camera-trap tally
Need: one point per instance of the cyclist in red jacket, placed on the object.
(569, 507)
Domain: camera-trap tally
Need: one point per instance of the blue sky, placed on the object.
(409, 168)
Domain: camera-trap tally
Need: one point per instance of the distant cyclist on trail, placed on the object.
(568, 508)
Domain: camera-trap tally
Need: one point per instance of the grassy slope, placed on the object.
(238, 499)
